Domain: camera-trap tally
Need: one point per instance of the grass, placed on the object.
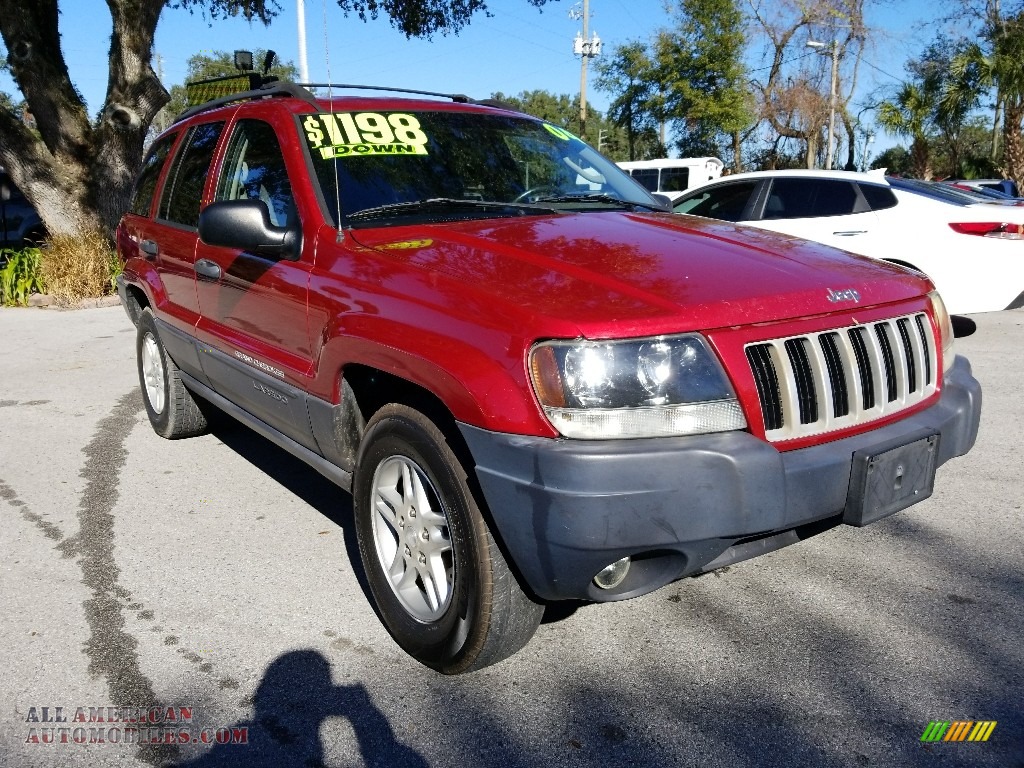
(80, 266)
(68, 267)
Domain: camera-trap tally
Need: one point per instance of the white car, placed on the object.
(972, 250)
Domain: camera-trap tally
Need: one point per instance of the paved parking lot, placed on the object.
(213, 584)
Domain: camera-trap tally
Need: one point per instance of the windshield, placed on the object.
(457, 164)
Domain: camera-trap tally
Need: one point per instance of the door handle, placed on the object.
(851, 232)
(150, 248)
(207, 268)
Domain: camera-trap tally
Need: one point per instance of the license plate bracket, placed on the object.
(888, 478)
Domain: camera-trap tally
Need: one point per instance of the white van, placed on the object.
(673, 176)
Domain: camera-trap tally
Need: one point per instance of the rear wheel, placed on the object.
(172, 410)
(441, 584)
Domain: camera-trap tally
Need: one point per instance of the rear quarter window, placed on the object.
(145, 184)
(878, 197)
(799, 198)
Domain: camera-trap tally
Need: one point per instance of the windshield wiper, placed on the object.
(602, 197)
(443, 204)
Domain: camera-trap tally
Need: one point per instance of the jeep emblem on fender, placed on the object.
(847, 294)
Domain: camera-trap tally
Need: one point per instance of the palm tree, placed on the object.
(1000, 68)
(910, 115)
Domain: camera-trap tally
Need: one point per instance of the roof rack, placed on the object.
(276, 88)
(300, 91)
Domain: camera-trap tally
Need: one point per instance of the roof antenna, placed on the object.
(330, 97)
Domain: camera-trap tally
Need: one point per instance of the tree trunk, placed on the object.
(812, 149)
(76, 173)
(1013, 141)
(920, 159)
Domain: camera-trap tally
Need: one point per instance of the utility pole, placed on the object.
(586, 47)
(832, 97)
(300, 7)
(832, 106)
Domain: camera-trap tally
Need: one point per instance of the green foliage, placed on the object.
(629, 75)
(691, 75)
(700, 71)
(896, 159)
(561, 110)
(115, 267)
(203, 66)
(420, 18)
(252, 10)
(911, 114)
(20, 276)
(970, 157)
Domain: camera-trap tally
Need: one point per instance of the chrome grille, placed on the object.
(842, 377)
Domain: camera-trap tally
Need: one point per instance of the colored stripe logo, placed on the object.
(958, 730)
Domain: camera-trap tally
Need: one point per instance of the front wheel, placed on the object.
(441, 584)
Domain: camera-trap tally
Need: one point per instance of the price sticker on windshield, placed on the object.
(559, 133)
(352, 134)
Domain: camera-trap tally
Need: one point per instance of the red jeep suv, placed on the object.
(537, 383)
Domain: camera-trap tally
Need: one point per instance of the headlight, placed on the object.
(945, 326)
(660, 386)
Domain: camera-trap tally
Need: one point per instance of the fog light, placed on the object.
(611, 576)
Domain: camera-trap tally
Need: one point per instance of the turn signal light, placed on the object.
(996, 229)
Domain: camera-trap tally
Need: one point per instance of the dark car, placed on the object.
(1007, 187)
(20, 225)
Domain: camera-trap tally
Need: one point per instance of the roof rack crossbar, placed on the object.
(271, 89)
(456, 97)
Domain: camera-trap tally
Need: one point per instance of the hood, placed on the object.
(611, 273)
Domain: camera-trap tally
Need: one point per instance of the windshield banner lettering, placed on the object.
(349, 134)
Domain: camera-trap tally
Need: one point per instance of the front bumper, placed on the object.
(565, 509)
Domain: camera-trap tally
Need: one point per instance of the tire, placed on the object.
(172, 410)
(441, 584)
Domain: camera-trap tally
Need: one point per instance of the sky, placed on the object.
(518, 48)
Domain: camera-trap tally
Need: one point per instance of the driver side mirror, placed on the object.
(245, 224)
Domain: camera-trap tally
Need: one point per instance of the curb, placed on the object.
(46, 301)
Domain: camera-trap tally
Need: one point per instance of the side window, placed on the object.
(254, 170)
(145, 184)
(183, 190)
(648, 178)
(674, 179)
(807, 198)
(725, 202)
(879, 197)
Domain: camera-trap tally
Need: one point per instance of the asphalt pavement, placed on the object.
(211, 589)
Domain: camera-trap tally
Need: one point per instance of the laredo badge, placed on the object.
(349, 134)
